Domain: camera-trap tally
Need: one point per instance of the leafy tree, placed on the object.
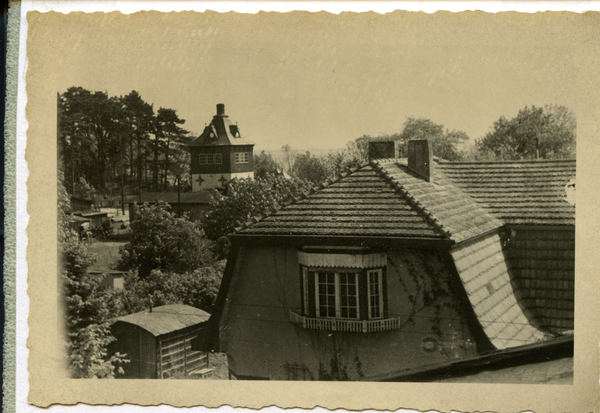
(551, 131)
(248, 198)
(310, 168)
(444, 144)
(171, 137)
(289, 155)
(264, 164)
(159, 240)
(89, 310)
(139, 117)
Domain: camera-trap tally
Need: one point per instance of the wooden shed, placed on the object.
(158, 342)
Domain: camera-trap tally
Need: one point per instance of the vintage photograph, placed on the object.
(340, 206)
(286, 197)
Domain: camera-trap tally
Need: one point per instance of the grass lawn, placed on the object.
(107, 253)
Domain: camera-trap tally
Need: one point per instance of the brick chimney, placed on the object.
(220, 109)
(382, 149)
(420, 158)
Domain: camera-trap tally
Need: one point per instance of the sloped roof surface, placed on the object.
(220, 132)
(484, 274)
(166, 319)
(360, 204)
(525, 192)
(455, 211)
(199, 197)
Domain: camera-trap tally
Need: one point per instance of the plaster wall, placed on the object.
(210, 181)
(262, 342)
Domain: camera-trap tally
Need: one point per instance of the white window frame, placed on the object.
(210, 159)
(338, 297)
(379, 273)
(242, 157)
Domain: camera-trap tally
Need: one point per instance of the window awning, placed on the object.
(342, 260)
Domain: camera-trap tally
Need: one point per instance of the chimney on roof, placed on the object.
(420, 158)
(382, 149)
(220, 109)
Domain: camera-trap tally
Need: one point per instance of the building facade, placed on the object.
(220, 154)
(400, 265)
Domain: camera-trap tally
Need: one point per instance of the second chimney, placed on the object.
(220, 109)
(420, 158)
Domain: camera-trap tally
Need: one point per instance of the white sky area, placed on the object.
(330, 85)
(316, 91)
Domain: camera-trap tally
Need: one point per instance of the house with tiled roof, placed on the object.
(399, 266)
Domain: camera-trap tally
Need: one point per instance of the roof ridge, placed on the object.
(412, 201)
(291, 200)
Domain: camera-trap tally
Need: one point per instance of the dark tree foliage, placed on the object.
(549, 131)
(106, 140)
(88, 310)
(444, 143)
(159, 240)
(248, 198)
(264, 164)
(198, 288)
(310, 168)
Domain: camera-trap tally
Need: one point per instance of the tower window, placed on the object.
(242, 157)
(210, 159)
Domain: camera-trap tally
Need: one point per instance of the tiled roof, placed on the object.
(166, 319)
(455, 211)
(220, 132)
(484, 274)
(524, 192)
(363, 203)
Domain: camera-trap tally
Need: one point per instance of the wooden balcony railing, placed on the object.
(336, 324)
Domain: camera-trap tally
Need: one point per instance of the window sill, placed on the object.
(353, 326)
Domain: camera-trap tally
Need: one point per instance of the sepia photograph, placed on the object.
(314, 197)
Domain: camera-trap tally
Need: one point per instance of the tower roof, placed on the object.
(221, 132)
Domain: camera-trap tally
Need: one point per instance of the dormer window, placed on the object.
(344, 290)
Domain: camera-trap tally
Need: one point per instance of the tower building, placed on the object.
(220, 154)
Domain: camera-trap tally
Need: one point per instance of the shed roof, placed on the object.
(524, 192)
(199, 197)
(166, 319)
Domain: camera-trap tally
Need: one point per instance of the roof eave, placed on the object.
(340, 240)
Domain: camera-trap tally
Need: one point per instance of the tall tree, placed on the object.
(547, 133)
(172, 137)
(159, 240)
(139, 115)
(264, 164)
(444, 144)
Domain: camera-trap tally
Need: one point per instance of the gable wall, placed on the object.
(262, 342)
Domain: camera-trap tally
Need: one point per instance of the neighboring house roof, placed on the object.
(220, 132)
(166, 319)
(199, 197)
(523, 192)
(382, 199)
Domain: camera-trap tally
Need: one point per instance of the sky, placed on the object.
(318, 81)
